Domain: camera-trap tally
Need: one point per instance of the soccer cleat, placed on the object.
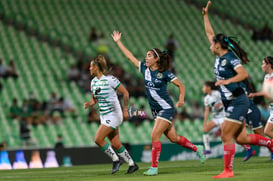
(249, 154)
(132, 169)
(152, 171)
(207, 152)
(200, 153)
(116, 166)
(225, 174)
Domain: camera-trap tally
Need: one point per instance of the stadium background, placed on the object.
(45, 37)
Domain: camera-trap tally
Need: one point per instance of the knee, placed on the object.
(98, 141)
(267, 132)
(174, 139)
(239, 140)
(205, 130)
(225, 137)
(155, 136)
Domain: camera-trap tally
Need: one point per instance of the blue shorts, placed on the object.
(165, 114)
(237, 108)
(253, 118)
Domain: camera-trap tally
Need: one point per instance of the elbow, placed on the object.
(245, 75)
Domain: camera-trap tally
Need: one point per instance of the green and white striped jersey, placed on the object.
(104, 91)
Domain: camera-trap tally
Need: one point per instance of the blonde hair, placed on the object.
(101, 63)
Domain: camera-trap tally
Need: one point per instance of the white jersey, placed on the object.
(267, 77)
(104, 91)
(213, 100)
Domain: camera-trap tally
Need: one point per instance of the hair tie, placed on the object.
(267, 61)
(229, 43)
(165, 51)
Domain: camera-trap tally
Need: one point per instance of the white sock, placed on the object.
(110, 152)
(123, 153)
(206, 141)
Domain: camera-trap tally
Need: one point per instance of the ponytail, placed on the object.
(227, 42)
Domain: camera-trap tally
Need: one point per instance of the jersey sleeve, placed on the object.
(170, 76)
(206, 104)
(114, 82)
(142, 67)
(91, 87)
(235, 63)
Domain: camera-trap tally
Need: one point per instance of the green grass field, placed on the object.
(255, 169)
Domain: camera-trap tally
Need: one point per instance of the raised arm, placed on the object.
(208, 28)
(116, 37)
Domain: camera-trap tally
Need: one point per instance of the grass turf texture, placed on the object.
(254, 169)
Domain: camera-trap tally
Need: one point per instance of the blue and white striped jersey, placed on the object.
(156, 87)
(224, 68)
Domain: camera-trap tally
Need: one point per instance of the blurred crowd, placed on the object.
(7, 71)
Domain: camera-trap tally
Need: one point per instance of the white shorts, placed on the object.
(270, 119)
(113, 119)
(218, 121)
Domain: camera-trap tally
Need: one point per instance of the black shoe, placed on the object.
(116, 166)
(132, 169)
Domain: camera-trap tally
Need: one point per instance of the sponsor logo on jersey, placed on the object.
(157, 81)
(98, 89)
(150, 84)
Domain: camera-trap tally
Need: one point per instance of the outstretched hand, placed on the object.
(116, 36)
(206, 9)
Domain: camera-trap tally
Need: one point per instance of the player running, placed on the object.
(103, 90)
(214, 105)
(156, 76)
(229, 73)
(267, 67)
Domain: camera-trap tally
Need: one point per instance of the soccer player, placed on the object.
(156, 76)
(253, 119)
(229, 73)
(103, 90)
(267, 67)
(213, 103)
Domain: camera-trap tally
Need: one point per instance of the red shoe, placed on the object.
(225, 174)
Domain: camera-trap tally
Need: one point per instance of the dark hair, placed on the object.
(164, 61)
(250, 87)
(227, 42)
(269, 60)
(211, 84)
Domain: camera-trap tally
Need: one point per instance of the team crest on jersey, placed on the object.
(224, 62)
(104, 82)
(159, 75)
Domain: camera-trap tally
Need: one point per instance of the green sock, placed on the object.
(110, 152)
(123, 153)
